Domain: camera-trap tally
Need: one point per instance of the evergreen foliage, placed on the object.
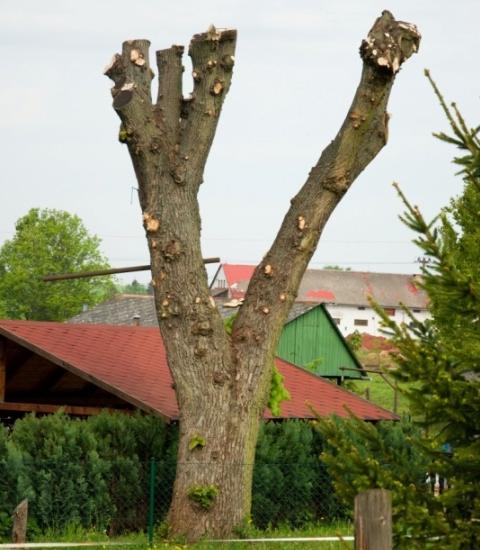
(439, 365)
(290, 484)
(94, 473)
(50, 241)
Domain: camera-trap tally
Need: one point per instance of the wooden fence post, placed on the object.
(20, 516)
(373, 520)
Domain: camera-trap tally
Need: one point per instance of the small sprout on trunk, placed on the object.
(265, 310)
(203, 495)
(210, 64)
(268, 270)
(123, 134)
(283, 297)
(197, 442)
(197, 75)
(198, 300)
(301, 223)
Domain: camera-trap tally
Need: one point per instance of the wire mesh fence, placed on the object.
(283, 494)
(134, 495)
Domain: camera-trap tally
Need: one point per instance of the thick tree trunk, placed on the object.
(222, 381)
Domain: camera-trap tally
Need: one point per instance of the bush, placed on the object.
(94, 473)
(290, 484)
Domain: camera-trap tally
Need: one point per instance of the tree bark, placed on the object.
(222, 381)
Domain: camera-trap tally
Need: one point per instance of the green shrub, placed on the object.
(290, 484)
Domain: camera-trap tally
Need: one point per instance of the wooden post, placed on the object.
(20, 516)
(373, 520)
(3, 369)
(395, 399)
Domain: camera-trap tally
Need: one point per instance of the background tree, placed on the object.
(50, 241)
(336, 268)
(134, 288)
(222, 381)
(439, 369)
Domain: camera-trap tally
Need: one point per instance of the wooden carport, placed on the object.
(31, 380)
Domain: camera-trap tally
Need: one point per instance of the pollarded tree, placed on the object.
(221, 379)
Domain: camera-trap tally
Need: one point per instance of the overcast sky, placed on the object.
(297, 67)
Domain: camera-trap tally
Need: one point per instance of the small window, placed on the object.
(390, 311)
(336, 320)
(360, 322)
(361, 308)
(416, 311)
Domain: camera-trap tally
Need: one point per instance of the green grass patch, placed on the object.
(380, 393)
(138, 541)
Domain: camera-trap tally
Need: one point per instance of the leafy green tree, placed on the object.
(439, 361)
(50, 241)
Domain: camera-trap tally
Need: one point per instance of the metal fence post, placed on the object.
(151, 499)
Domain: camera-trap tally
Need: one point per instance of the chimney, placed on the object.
(136, 320)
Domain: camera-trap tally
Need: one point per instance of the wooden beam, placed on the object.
(50, 380)
(113, 271)
(3, 369)
(68, 409)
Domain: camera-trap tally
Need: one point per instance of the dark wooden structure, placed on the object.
(30, 382)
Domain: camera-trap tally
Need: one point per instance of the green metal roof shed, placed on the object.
(312, 339)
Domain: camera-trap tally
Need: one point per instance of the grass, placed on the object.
(138, 541)
(376, 388)
(380, 393)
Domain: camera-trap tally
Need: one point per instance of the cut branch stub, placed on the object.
(137, 65)
(212, 55)
(389, 43)
(169, 99)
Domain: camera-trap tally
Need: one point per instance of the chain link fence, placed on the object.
(135, 495)
(283, 494)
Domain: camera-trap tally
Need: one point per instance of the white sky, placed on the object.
(297, 67)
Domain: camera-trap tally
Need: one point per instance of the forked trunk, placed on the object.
(222, 381)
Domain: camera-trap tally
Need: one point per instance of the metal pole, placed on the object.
(151, 499)
(113, 271)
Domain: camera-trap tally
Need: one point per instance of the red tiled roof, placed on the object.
(238, 276)
(131, 362)
(341, 287)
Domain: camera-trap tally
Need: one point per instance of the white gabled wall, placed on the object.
(351, 317)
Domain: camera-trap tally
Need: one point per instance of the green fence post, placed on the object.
(151, 499)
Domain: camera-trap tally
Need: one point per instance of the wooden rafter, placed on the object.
(48, 409)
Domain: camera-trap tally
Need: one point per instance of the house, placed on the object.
(84, 368)
(310, 336)
(345, 293)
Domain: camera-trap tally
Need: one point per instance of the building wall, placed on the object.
(365, 320)
(311, 340)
